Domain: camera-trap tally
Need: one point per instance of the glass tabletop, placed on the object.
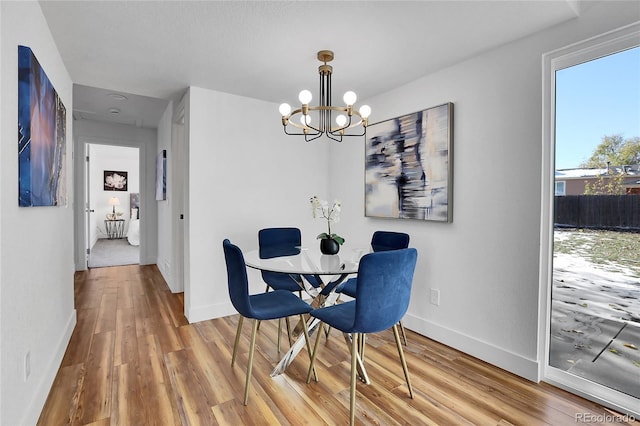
(306, 260)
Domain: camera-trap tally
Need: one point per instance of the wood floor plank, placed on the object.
(80, 342)
(95, 398)
(195, 393)
(107, 312)
(126, 340)
(127, 393)
(133, 359)
(68, 383)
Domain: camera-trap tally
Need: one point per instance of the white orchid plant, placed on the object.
(320, 208)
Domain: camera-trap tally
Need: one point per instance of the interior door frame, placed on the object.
(609, 43)
(87, 203)
(80, 188)
(179, 193)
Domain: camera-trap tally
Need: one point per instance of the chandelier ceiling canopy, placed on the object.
(316, 121)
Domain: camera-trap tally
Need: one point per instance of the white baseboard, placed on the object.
(203, 313)
(487, 352)
(43, 388)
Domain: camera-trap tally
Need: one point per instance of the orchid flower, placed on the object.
(320, 208)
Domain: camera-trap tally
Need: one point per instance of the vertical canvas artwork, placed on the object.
(115, 181)
(42, 122)
(161, 176)
(408, 169)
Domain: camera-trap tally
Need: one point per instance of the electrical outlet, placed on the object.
(435, 297)
(27, 365)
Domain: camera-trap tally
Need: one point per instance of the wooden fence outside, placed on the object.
(616, 212)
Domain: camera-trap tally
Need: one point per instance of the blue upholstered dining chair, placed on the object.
(382, 299)
(264, 306)
(380, 241)
(274, 242)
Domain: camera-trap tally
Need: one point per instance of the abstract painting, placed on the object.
(408, 166)
(161, 176)
(115, 181)
(42, 138)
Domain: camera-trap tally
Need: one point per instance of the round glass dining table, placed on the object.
(327, 270)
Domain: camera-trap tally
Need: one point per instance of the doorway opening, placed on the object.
(113, 200)
(591, 266)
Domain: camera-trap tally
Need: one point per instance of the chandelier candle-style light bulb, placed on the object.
(365, 111)
(305, 97)
(349, 98)
(285, 109)
(346, 118)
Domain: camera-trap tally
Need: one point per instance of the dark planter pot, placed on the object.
(328, 246)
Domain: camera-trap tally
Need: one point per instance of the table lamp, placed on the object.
(114, 201)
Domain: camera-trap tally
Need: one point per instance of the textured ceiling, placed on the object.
(267, 49)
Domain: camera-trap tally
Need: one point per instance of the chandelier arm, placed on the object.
(293, 134)
(315, 136)
(332, 136)
(342, 134)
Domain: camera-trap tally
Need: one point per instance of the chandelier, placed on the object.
(315, 121)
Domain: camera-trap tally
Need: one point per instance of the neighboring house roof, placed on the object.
(634, 181)
(633, 170)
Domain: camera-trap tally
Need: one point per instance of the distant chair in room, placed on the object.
(382, 299)
(264, 306)
(274, 242)
(380, 241)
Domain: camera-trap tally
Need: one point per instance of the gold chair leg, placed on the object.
(250, 366)
(404, 335)
(361, 345)
(289, 331)
(279, 332)
(402, 360)
(307, 341)
(315, 352)
(235, 345)
(355, 339)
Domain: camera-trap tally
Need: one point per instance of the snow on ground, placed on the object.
(603, 292)
(595, 327)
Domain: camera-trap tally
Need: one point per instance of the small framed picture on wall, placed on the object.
(115, 181)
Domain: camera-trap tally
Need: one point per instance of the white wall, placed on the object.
(241, 179)
(116, 158)
(145, 140)
(36, 261)
(485, 263)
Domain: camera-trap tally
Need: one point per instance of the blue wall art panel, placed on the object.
(41, 136)
(408, 166)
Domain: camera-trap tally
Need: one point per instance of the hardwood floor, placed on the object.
(134, 360)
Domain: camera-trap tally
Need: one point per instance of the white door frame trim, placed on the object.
(80, 188)
(596, 47)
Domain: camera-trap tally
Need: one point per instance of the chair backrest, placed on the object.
(387, 240)
(237, 279)
(275, 242)
(384, 289)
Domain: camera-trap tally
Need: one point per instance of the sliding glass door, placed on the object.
(592, 225)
